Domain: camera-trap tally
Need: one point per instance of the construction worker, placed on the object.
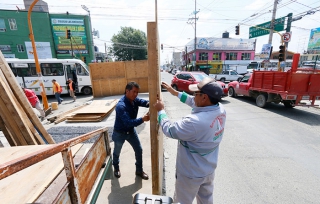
(71, 87)
(57, 90)
(34, 101)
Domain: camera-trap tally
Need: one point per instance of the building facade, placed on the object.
(49, 33)
(212, 55)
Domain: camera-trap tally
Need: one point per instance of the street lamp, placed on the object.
(92, 47)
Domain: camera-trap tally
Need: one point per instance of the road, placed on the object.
(269, 155)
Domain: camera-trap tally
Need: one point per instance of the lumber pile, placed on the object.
(18, 121)
(95, 112)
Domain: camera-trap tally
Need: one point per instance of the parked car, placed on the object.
(174, 71)
(227, 75)
(182, 80)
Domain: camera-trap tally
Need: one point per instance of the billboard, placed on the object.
(222, 44)
(43, 50)
(314, 41)
(78, 44)
(265, 51)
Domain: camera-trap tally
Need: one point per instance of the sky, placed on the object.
(175, 27)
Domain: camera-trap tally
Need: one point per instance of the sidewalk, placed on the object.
(114, 190)
(120, 190)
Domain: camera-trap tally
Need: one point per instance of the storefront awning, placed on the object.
(205, 66)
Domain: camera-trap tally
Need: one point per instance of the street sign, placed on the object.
(256, 31)
(287, 37)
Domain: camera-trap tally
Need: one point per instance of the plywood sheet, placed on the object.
(107, 70)
(136, 69)
(26, 185)
(98, 106)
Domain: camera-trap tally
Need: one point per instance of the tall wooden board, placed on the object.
(154, 93)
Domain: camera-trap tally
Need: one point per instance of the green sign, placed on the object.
(78, 43)
(256, 31)
(205, 66)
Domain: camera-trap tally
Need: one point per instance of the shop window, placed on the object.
(20, 48)
(203, 56)
(216, 56)
(245, 56)
(231, 56)
(2, 25)
(5, 48)
(12, 24)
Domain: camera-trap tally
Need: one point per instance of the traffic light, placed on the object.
(84, 59)
(282, 53)
(68, 34)
(237, 30)
(161, 46)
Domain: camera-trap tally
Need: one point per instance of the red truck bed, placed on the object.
(301, 84)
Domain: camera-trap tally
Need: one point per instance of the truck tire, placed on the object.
(288, 104)
(261, 100)
(222, 80)
(175, 87)
(231, 92)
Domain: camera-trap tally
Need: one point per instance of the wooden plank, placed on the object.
(64, 115)
(70, 171)
(7, 134)
(12, 125)
(26, 185)
(8, 102)
(90, 167)
(154, 93)
(17, 91)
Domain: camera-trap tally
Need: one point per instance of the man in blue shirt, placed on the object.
(126, 119)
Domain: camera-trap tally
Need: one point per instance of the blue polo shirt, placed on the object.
(126, 114)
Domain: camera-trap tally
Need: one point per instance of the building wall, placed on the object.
(20, 36)
(45, 37)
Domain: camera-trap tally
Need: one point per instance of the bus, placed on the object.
(272, 65)
(59, 69)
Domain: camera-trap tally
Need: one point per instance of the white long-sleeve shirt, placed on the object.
(199, 135)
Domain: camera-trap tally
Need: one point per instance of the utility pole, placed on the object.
(288, 26)
(272, 21)
(186, 58)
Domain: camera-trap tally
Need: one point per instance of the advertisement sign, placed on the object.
(222, 44)
(265, 51)
(314, 41)
(78, 42)
(43, 50)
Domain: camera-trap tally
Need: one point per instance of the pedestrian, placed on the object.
(71, 87)
(57, 90)
(126, 119)
(199, 135)
(34, 101)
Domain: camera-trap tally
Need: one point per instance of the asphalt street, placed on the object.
(269, 155)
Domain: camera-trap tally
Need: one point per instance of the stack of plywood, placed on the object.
(18, 121)
(95, 112)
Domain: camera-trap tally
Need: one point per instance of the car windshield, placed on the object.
(199, 77)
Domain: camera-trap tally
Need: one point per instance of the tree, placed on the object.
(129, 44)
